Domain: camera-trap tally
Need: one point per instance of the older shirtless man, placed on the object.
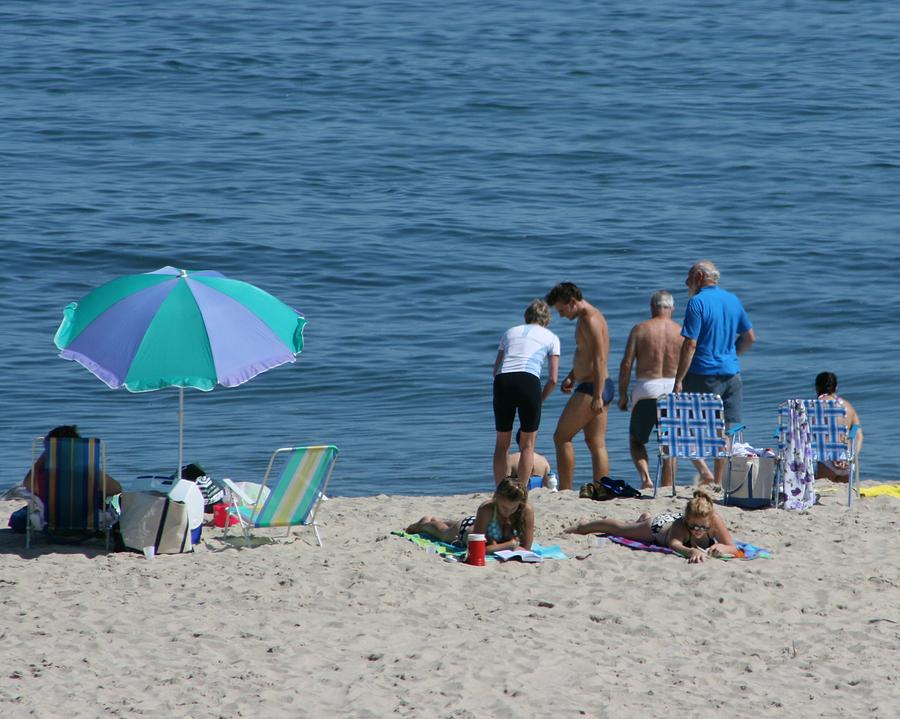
(589, 378)
(655, 345)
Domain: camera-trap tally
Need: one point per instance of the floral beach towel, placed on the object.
(799, 480)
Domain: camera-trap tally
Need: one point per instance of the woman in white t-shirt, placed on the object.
(517, 386)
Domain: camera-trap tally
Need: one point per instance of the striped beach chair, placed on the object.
(70, 485)
(690, 425)
(293, 498)
(826, 431)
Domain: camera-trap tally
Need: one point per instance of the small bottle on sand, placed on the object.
(552, 482)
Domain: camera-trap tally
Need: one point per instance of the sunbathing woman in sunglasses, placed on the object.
(694, 535)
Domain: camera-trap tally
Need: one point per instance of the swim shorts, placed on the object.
(517, 391)
(643, 420)
(609, 390)
(729, 387)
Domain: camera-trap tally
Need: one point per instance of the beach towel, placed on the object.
(798, 481)
(889, 490)
(459, 553)
(747, 551)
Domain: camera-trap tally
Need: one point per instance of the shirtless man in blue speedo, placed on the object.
(589, 378)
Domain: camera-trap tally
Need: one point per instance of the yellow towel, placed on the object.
(892, 490)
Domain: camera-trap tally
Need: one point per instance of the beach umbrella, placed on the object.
(174, 328)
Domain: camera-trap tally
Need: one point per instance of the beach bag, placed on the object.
(152, 519)
(608, 488)
(750, 482)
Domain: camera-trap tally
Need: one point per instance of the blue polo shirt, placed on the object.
(714, 317)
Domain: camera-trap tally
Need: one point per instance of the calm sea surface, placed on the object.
(411, 175)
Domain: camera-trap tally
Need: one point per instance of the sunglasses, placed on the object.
(698, 527)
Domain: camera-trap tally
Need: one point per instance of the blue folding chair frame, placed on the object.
(690, 425)
(831, 439)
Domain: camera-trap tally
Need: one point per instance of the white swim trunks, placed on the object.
(651, 388)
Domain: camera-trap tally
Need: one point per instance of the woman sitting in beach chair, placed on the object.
(837, 470)
(65, 431)
(506, 520)
(694, 535)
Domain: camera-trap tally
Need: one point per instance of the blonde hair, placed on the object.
(538, 312)
(700, 506)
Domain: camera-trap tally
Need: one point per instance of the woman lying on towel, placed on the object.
(694, 535)
(506, 520)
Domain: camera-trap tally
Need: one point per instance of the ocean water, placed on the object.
(410, 176)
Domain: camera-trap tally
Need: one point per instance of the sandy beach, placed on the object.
(373, 626)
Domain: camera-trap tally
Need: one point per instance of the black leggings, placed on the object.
(517, 391)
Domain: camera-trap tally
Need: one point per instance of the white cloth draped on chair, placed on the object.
(798, 466)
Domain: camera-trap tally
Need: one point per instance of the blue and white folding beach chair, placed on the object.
(829, 437)
(293, 498)
(692, 426)
(71, 486)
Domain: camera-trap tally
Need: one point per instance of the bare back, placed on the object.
(657, 343)
(541, 466)
(591, 336)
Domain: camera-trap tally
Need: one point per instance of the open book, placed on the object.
(522, 555)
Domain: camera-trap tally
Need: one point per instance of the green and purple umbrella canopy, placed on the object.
(174, 328)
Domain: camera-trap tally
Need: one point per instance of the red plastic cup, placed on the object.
(475, 555)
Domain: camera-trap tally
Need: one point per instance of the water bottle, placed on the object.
(552, 482)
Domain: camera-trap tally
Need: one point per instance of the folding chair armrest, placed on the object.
(736, 429)
(238, 492)
(854, 430)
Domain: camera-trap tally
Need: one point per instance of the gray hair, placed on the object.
(662, 299)
(538, 312)
(707, 270)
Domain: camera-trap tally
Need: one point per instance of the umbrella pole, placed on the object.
(180, 431)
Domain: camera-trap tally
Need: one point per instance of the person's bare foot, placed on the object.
(576, 528)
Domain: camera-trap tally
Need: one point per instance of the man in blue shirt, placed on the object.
(716, 330)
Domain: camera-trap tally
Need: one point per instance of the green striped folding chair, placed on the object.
(294, 497)
(70, 485)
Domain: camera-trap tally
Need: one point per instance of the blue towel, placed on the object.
(451, 550)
